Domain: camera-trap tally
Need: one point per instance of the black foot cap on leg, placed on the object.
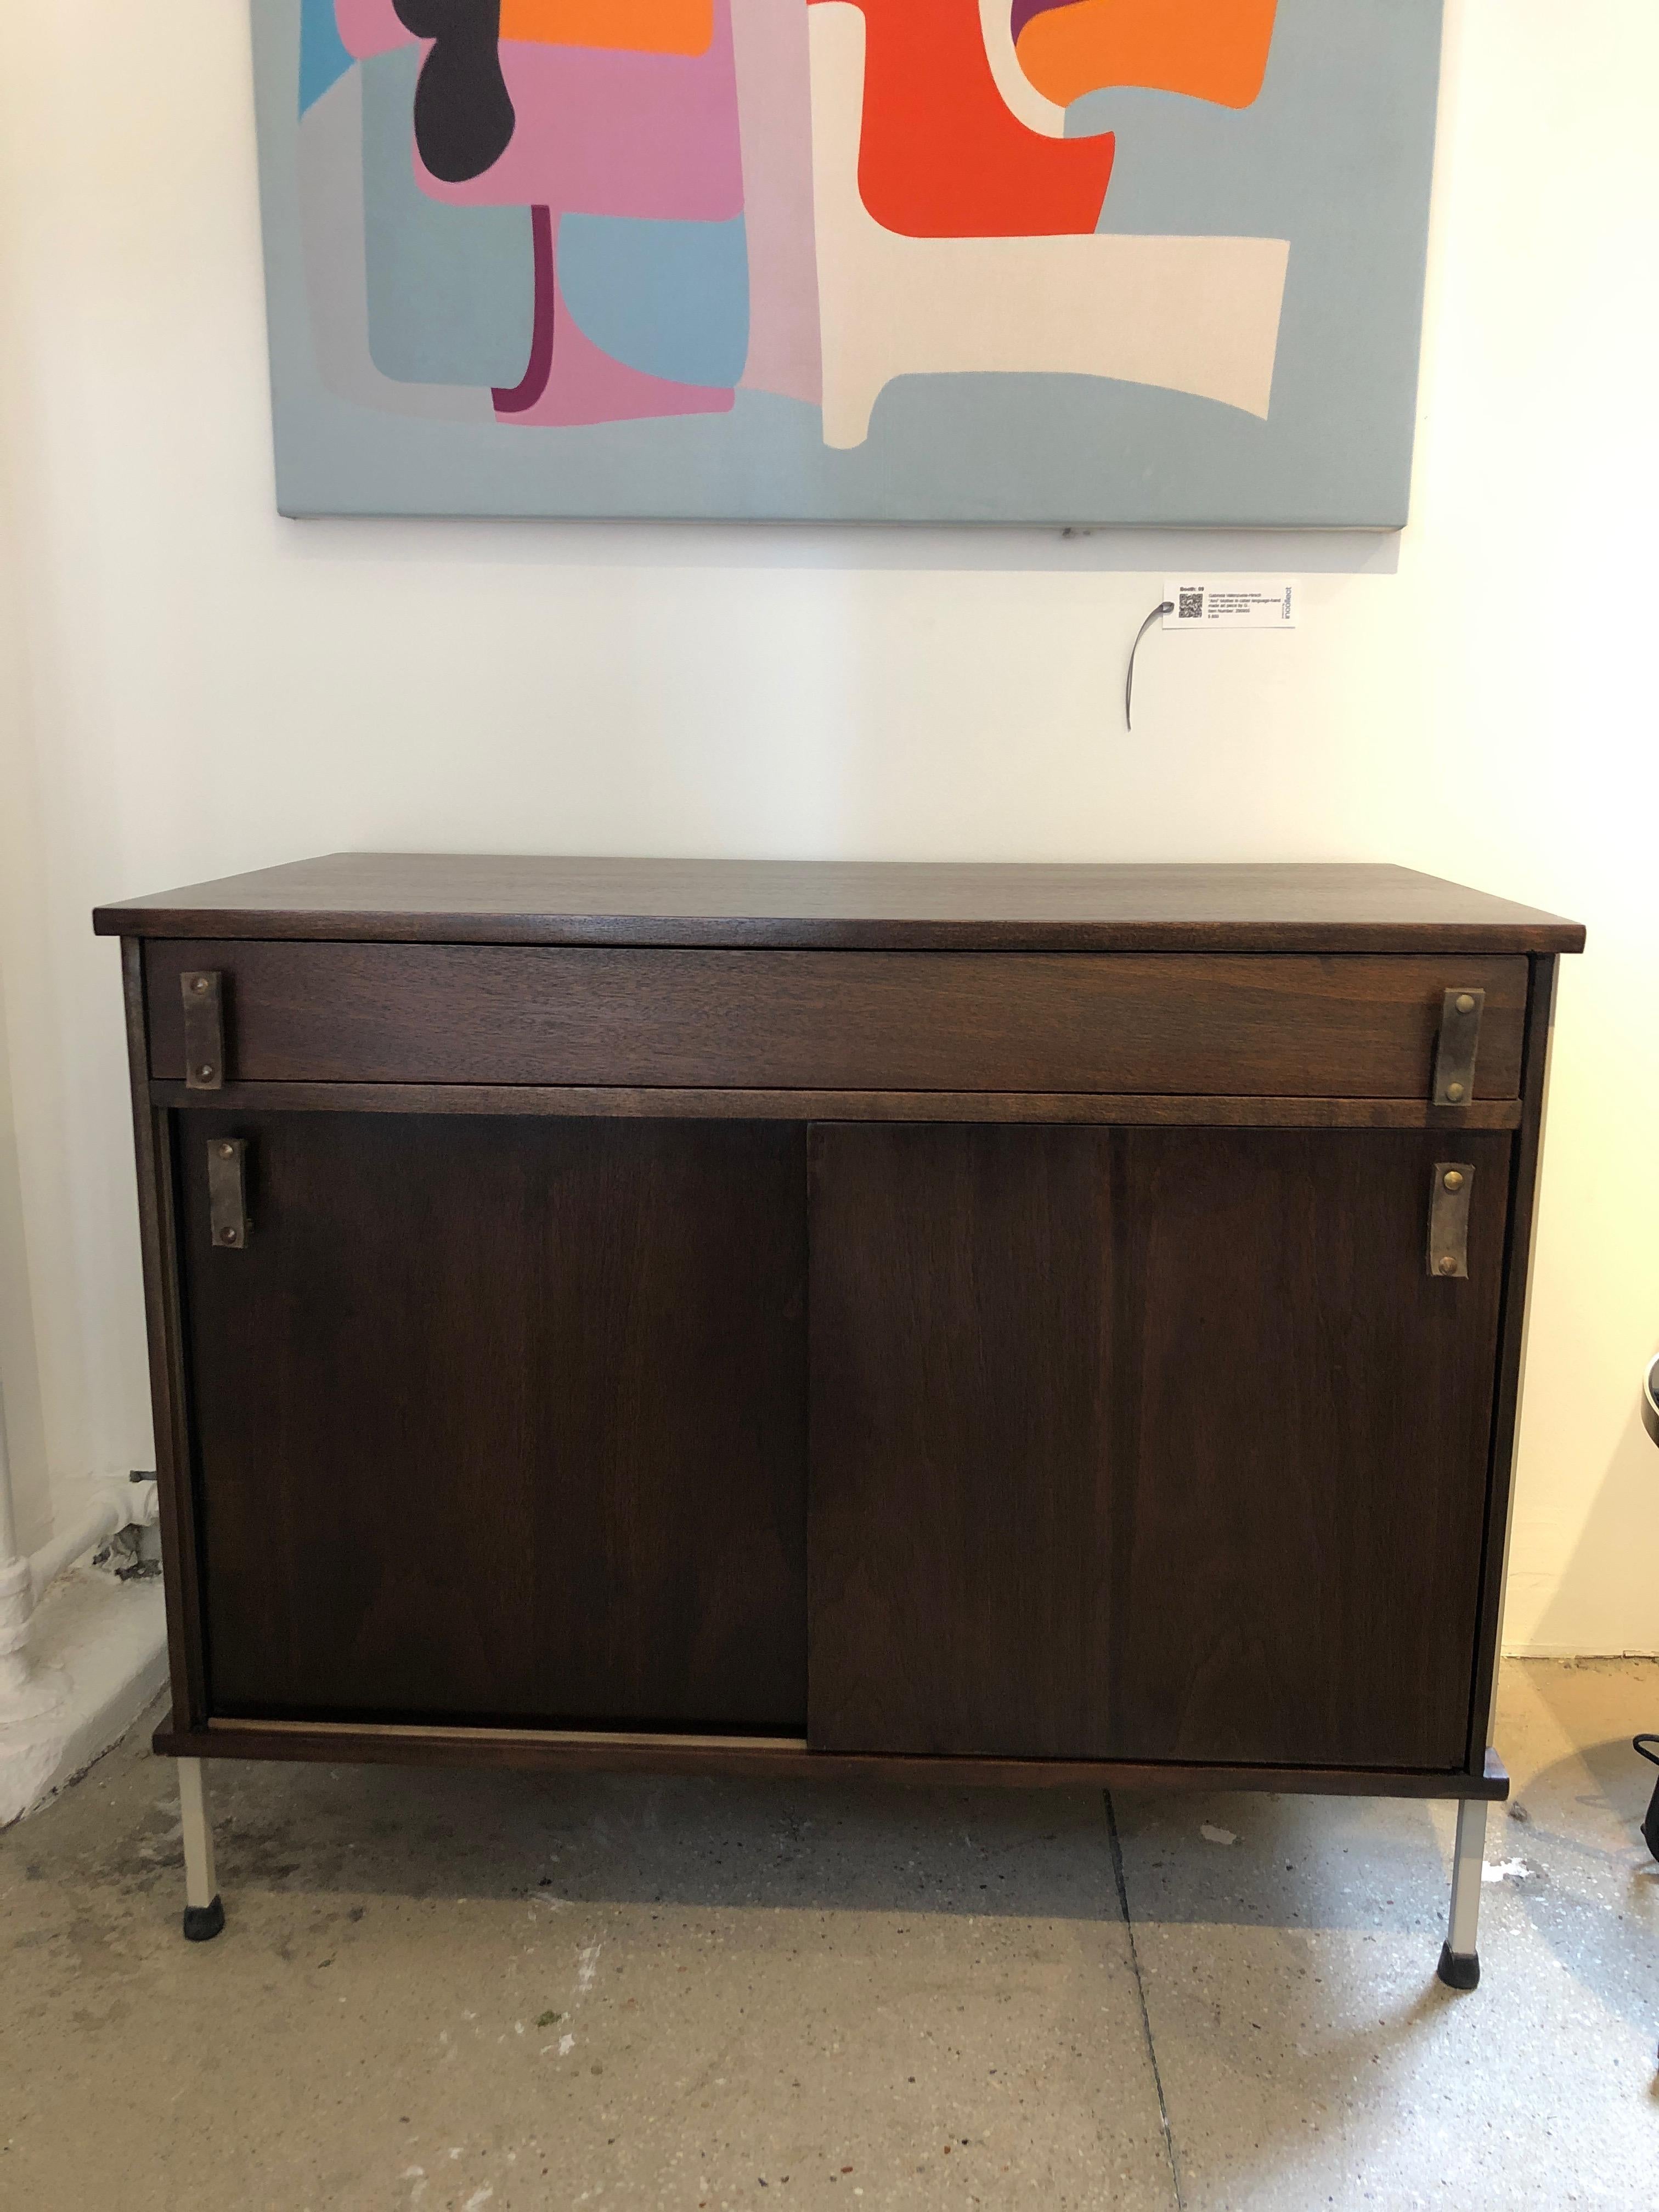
(1457, 1970)
(203, 1921)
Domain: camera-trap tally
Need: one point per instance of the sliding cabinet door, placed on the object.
(1147, 1443)
(502, 1418)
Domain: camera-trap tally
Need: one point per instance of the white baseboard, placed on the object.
(106, 1642)
(1568, 1651)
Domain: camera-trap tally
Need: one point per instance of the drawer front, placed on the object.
(1262, 1026)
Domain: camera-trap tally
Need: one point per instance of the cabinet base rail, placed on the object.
(785, 1757)
(788, 1758)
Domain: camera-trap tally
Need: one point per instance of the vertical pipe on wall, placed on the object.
(16, 1601)
(8, 1511)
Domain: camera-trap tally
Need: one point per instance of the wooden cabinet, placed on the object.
(965, 1322)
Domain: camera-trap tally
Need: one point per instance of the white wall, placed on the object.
(204, 687)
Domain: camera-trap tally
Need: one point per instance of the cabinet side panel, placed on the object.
(152, 1136)
(1512, 1347)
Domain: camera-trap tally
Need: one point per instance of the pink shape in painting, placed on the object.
(368, 27)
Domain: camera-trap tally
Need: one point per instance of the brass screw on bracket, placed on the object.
(1453, 1179)
(1465, 1003)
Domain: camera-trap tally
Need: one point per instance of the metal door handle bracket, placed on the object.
(228, 1221)
(1449, 1219)
(204, 1029)
(1460, 1041)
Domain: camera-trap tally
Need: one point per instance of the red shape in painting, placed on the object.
(941, 155)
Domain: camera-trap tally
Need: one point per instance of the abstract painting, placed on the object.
(1012, 261)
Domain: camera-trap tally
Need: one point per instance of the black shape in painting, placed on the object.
(464, 117)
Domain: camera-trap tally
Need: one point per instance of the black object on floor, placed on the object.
(1647, 1747)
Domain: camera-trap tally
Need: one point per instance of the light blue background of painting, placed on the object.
(1336, 156)
(450, 289)
(669, 298)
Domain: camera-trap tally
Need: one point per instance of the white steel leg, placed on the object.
(1460, 1963)
(204, 1915)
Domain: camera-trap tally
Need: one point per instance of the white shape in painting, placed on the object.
(1019, 96)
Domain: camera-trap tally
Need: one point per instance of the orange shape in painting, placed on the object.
(942, 156)
(1209, 49)
(641, 27)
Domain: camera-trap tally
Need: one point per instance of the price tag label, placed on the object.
(1230, 602)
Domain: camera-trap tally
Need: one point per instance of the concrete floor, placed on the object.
(451, 1991)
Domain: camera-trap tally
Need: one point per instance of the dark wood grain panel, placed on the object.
(1147, 1444)
(773, 1759)
(502, 1420)
(583, 1102)
(1353, 1027)
(960, 1571)
(1301, 1421)
(450, 897)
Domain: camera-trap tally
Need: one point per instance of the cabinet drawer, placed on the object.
(1269, 1025)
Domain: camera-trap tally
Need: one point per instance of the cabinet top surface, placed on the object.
(444, 897)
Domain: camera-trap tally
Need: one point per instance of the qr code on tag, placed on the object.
(1191, 605)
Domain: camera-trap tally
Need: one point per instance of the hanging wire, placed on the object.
(1164, 607)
